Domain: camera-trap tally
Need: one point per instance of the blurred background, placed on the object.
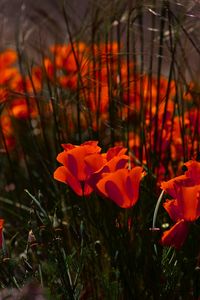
(34, 24)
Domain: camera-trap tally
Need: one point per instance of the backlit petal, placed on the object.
(189, 202)
(63, 175)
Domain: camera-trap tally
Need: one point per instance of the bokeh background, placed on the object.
(36, 24)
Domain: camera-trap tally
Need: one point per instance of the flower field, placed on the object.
(100, 157)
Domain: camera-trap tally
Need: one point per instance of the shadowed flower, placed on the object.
(176, 236)
(122, 186)
(7, 58)
(74, 171)
(185, 207)
(190, 178)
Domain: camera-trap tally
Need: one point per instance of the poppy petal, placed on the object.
(62, 158)
(171, 206)
(114, 193)
(94, 162)
(115, 151)
(63, 175)
(193, 171)
(132, 184)
(189, 202)
(169, 186)
(176, 236)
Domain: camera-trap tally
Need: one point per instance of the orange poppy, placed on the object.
(67, 56)
(74, 171)
(21, 109)
(68, 60)
(185, 207)
(7, 58)
(183, 210)
(7, 75)
(122, 186)
(190, 178)
(100, 164)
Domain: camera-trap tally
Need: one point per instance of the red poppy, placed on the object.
(99, 164)
(190, 178)
(185, 207)
(121, 186)
(7, 58)
(176, 236)
(74, 171)
(68, 61)
(67, 56)
(193, 171)
(21, 109)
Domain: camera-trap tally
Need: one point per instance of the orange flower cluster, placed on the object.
(13, 88)
(68, 64)
(104, 80)
(184, 208)
(102, 75)
(163, 123)
(90, 71)
(86, 169)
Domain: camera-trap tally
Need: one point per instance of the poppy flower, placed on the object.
(190, 178)
(122, 186)
(193, 171)
(185, 207)
(7, 58)
(74, 171)
(100, 99)
(183, 210)
(68, 61)
(100, 164)
(7, 75)
(20, 109)
(66, 56)
(69, 81)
